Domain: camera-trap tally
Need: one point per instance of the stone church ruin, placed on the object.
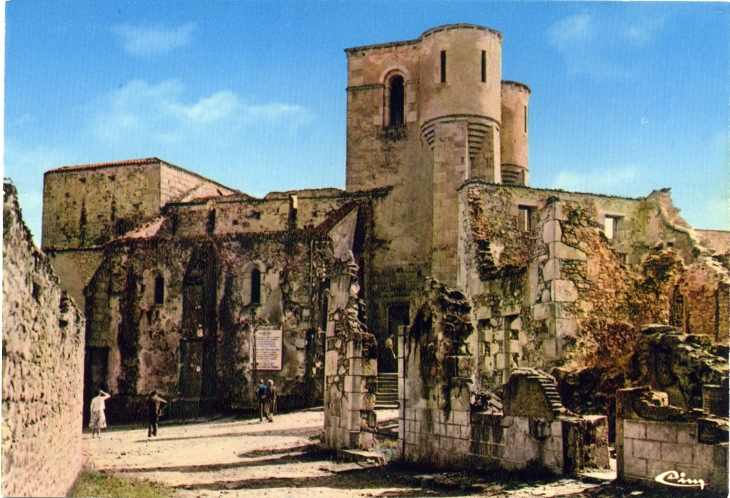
(488, 305)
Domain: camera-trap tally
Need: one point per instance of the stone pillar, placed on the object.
(555, 293)
(350, 365)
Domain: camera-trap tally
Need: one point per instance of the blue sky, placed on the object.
(626, 97)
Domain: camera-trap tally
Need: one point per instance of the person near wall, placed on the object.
(262, 393)
(155, 405)
(98, 418)
(272, 399)
(390, 358)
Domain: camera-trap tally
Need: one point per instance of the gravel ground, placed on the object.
(246, 457)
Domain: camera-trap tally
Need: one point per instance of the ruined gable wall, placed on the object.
(705, 286)
(43, 364)
(86, 207)
(177, 184)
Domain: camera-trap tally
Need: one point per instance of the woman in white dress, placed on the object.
(98, 419)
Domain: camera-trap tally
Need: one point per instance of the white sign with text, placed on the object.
(267, 348)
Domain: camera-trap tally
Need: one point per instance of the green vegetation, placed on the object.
(100, 484)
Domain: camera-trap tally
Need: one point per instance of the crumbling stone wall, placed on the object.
(42, 362)
(678, 364)
(551, 289)
(350, 364)
(660, 444)
(438, 374)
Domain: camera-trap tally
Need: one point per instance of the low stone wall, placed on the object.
(43, 368)
(535, 430)
(660, 444)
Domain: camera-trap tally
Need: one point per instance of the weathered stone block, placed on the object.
(563, 291)
(687, 434)
(634, 430)
(647, 449)
(562, 251)
(550, 349)
(562, 328)
(551, 270)
(673, 452)
(461, 417)
(484, 313)
(354, 349)
(552, 232)
(635, 466)
(501, 361)
(657, 431)
(369, 368)
(702, 454)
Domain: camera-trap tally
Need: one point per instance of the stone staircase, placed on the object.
(387, 393)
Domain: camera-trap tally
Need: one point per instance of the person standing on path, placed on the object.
(262, 394)
(98, 418)
(154, 405)
(272, 399)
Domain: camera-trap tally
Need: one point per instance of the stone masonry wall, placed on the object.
(655, 439)
(43, 364)
(85, 207)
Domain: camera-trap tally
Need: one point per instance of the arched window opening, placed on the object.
(397, 101)
(255, 286)
(159, 289)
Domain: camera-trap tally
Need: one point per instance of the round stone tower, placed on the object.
(515, 97)
(460, 73)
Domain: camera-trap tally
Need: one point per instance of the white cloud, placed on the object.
(217, 106)
(593, 45)
(607, 181)
(571, 30)
(157, 113)
(153, 40)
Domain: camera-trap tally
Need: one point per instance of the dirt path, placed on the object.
(246, 457)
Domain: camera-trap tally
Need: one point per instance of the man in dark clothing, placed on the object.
(154, 406)
(262, 393)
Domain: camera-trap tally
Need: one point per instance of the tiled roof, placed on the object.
(129, 162)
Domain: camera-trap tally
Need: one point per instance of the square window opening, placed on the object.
(524, 218)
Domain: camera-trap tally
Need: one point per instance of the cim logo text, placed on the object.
(678, 480)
